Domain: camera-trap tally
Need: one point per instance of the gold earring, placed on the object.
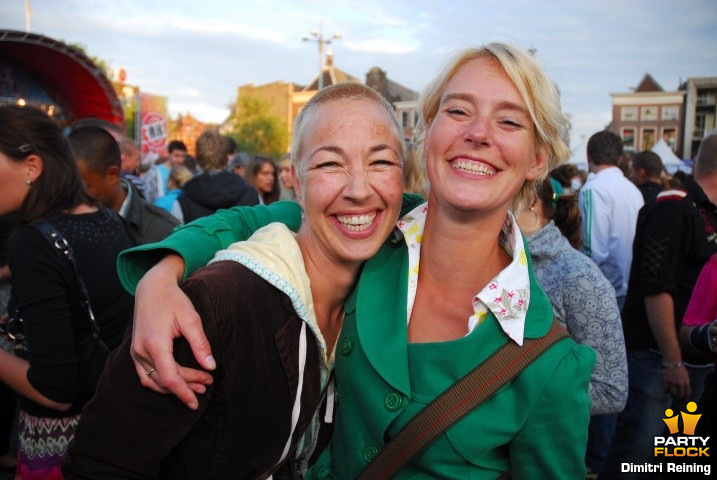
(537, 222)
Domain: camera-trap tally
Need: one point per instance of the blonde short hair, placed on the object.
(180, 175)
(536, 89)
(333, 93)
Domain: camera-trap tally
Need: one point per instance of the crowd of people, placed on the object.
(281, 327)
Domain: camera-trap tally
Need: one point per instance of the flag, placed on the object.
(28, 14)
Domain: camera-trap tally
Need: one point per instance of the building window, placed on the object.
(648, 114)
(647, 139)
(706, 98)
(669, 135)
(669, 113)
(628, 114)
(628, 139)
(699, 125)
(405, 119)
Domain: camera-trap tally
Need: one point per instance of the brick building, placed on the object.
(647, 114)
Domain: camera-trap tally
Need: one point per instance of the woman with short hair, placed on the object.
(273, 307)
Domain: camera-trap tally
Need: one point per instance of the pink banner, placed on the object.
(153, 126)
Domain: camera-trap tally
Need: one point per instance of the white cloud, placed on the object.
(382, 46)
(198, 53)
(202, 111)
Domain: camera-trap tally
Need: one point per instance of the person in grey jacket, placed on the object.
(583, 300)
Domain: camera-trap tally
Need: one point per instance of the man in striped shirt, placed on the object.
(609, 204)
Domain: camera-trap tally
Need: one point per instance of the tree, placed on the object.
(257, 131)
(103, 65)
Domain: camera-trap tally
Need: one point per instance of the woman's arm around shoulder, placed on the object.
(199, 240)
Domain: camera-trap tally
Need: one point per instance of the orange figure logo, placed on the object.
(689, 420)
(671, 421)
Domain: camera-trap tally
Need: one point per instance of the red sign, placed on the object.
(153, 127)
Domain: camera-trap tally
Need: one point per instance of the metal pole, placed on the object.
(320, 41)
(318, 37)
(28, 14)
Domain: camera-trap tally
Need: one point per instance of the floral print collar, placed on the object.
(507, 296)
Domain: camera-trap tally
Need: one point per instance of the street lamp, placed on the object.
(318, 37)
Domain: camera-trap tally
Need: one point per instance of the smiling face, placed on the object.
(481, 146)
(349, 181)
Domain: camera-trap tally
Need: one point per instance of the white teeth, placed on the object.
(356, 223)
(473, 167)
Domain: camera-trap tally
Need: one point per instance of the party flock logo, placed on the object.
(686, 445)
(681, 451)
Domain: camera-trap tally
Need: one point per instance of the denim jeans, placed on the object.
(641, 420)
(600, 432)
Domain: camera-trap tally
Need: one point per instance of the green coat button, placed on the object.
(369, 452)
(393, 402)
(347, 346)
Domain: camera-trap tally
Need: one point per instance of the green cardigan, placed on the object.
(536, 426)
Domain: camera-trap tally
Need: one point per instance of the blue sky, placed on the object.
(198, 53)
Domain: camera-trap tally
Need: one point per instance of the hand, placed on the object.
(157, 324)
(676, 382)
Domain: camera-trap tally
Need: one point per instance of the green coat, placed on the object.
(536, 426)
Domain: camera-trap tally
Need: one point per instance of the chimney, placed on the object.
(376, 79)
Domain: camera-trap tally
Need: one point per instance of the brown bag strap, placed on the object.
(462, 397)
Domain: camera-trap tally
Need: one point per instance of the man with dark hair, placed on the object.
(231, 147)
(609, 204)
(99, 162)
(177, 153)
(676, 235)
(646, 173)
(159, 172)
(129, 151)
(215, 187)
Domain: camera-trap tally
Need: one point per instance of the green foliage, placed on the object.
(103, 65)
(257, 131)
